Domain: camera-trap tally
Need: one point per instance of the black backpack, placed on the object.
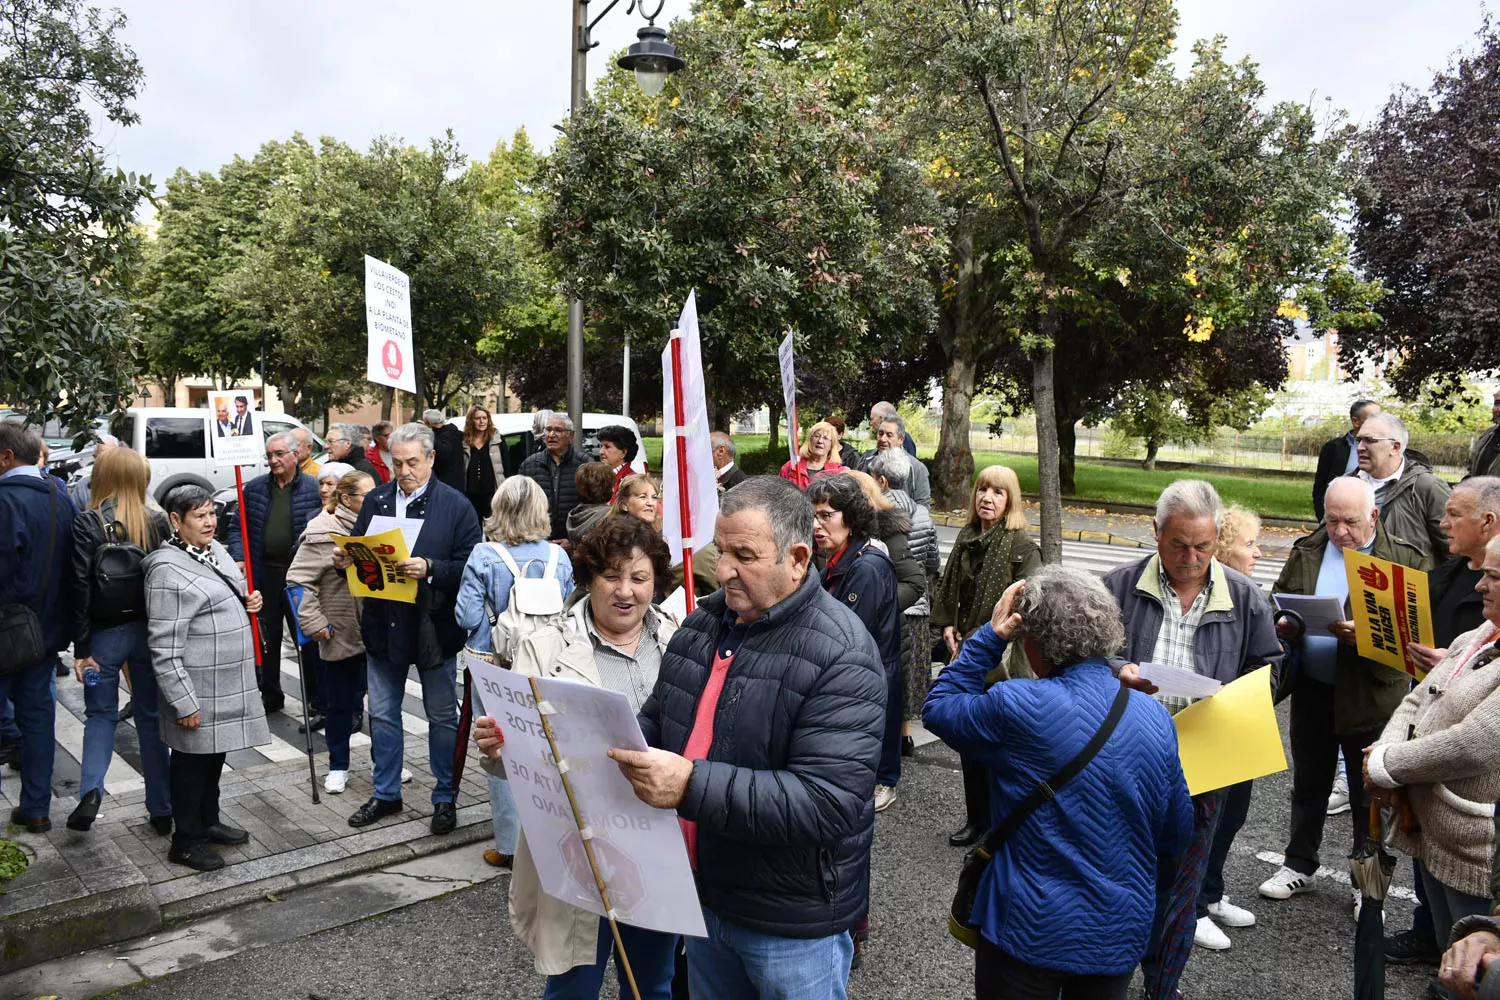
(118, 590)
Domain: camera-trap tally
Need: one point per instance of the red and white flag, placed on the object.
(689, 490)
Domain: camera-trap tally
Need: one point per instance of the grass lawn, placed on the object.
(1274, 497)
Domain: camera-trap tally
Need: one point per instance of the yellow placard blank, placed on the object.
(373, 571)
(1231, 737)
(1391, 611)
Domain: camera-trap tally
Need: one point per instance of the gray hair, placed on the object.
(334, 470)
(1070, 616)
(718, 439)
(1394, 426)
(892, 465)
(284, 437)
(1368, 491)
(1486, 493)
(433, 418)
(518, 513)
(407, 433)
(1492, 547)
(551, 415)
(109, 439)
(883, 409)
(348, 432)
(381, 427)
(21, 441)
(362, 434)
(1192, 497)
(894, 418)
(786, 508)
(539, 421)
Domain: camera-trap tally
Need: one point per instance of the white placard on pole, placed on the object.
(642, 858)
(698, 478)
(235, 433)
(388, 357)
(789, 394)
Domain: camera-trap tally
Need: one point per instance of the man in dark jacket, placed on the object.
(278, 506)
(888, 437)
(553, 468)
(1338, 457)
(1183, 608)
(343, 446)
(730, 474)
(770, 764)
(1340, 700)
(398, 635)
(1410, 498)
(878, 414)
(36, 532)
(1484, 457)
(448, 447)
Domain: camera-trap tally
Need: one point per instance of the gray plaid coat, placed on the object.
(201, 646)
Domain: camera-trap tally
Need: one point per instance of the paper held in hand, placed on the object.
(1317, 613)
(1391, 610)
(639, 849)
(373, 570)
(1174, 682)
(1231, 737)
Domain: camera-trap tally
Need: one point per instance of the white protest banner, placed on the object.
(689, 425)
(641, 856)
(789, 393)
(235, 435)
(388, 356)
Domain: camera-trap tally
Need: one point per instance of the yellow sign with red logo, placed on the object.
(373, 573)
(1391, 612)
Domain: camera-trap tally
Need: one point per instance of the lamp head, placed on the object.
(652, 57)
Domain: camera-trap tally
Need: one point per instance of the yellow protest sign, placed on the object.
(1231, 737)
(1391, 611)
(373, 571)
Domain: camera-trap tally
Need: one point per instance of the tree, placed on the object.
(1426, 225)
(752, 184)
(67, 239)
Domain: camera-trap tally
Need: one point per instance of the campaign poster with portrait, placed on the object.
(235, 432)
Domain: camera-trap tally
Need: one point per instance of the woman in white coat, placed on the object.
(612, 638)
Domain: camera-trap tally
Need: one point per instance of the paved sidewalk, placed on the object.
(86, 889)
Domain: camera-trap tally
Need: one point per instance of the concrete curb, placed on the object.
(958, 519)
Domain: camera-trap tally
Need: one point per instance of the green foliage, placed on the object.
(13, 860)
(751, 183)
(67, 244)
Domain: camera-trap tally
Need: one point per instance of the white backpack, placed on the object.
(534, 603)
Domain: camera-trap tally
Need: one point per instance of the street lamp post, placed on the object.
(652, 57)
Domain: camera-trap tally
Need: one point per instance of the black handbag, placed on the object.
(977, 861)
(22, 643)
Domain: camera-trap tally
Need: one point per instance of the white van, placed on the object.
(517, 441)
(175, 440)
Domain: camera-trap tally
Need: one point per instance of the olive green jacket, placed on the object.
(1365, 692)
(979, 569)
(1413, 510)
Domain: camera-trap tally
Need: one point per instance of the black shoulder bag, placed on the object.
(22, 643)
(977, 861)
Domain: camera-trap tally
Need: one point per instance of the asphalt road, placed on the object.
(459, 946)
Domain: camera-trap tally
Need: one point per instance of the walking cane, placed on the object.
(294, 592)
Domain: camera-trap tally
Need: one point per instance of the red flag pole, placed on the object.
(684, 506)
(239, 492)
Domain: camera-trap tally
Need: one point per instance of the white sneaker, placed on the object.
(405, 776)
(336, 782)
(884, 796)
(1338, 801)
(1285, 884)
(1229, 915)
(1209, 936)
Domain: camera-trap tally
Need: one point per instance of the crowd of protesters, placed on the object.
(824, 609)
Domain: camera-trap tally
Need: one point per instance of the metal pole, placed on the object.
(625, 379)
(580, 49)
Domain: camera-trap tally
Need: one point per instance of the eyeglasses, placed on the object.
(1364, 439)
(555, 430)
(826, 516)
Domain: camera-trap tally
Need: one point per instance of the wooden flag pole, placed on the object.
(588, 843)
(684, 503)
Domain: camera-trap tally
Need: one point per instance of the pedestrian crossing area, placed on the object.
(1099, 558)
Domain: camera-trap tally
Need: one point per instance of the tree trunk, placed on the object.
(1044, 400)
(771, 445)
(1067, 455)
(387, 400)
(953, 465)
(1150, 463)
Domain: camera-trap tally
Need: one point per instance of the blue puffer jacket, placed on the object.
(1074, 889)
(450, 530)
(306, 505)
(784, 799)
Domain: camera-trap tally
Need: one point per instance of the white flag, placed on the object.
(789, 393)
(702, 485)
(388, 354)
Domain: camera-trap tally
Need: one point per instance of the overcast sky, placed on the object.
(222, 77)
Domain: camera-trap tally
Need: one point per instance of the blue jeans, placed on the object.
(342, 695)
(113, 647)
(440, 702)
(733, 963)
(9, 731)
(32, 697)
(651, 955)
(507, 820)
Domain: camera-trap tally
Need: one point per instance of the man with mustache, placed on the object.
(398, 635)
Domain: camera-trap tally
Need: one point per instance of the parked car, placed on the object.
(517, 441)
(175, 440)
(63, 459)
